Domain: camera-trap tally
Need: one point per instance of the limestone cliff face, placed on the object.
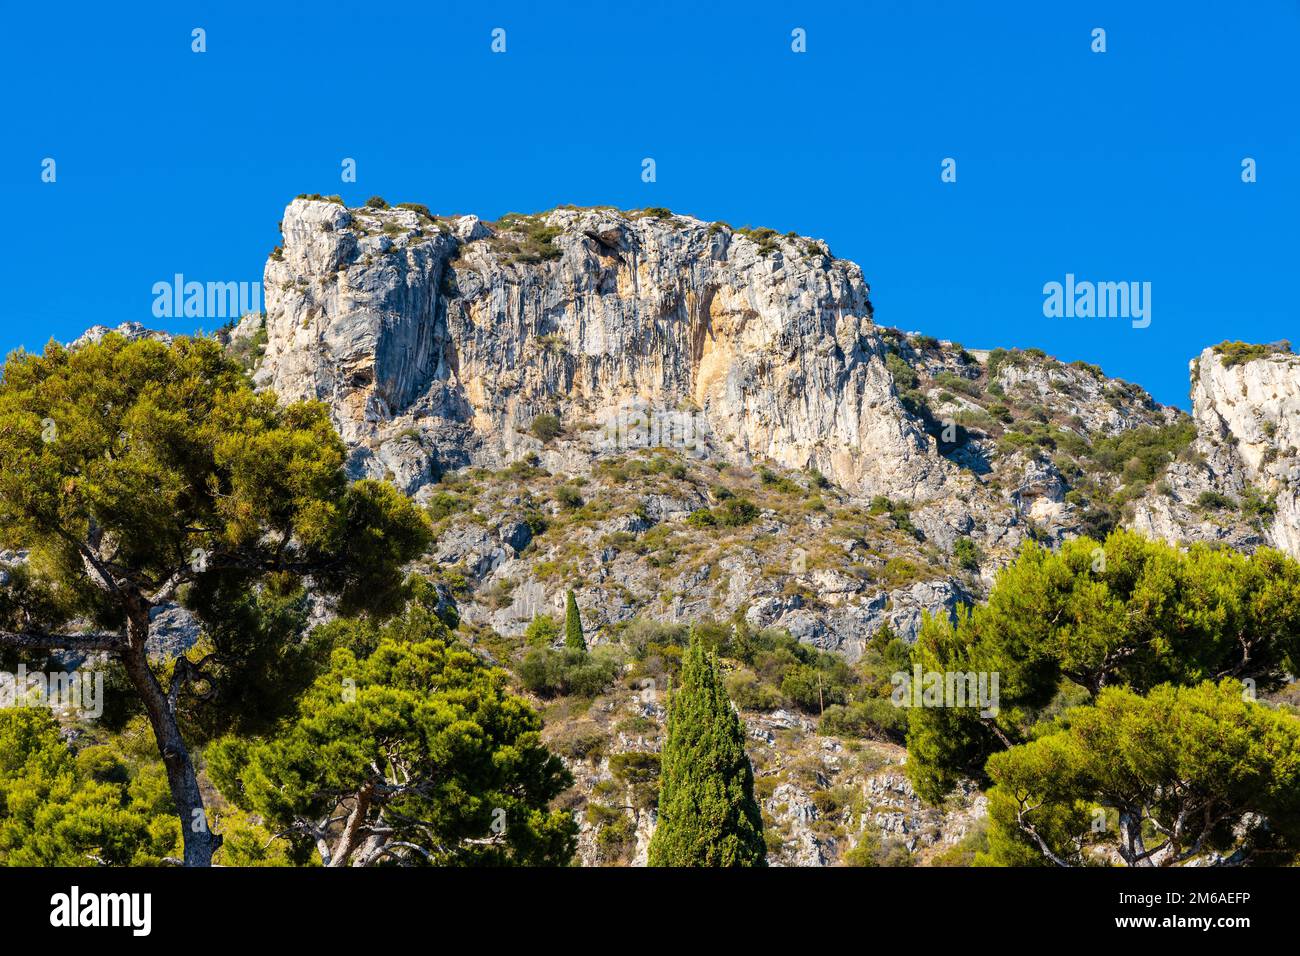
(439, 342)
(1247, 416)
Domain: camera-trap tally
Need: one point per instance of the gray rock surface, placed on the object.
(456, 340)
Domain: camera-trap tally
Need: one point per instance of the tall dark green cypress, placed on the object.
(573, 624)
(707, 812)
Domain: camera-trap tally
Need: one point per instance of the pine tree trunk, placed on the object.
(200, 841)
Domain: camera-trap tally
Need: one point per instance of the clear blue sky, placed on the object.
(1117, 166)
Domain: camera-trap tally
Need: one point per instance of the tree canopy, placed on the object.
(82, 810)
(410, 749)
(573, 636)
(1149, 644)
(1132, 612)
(135, 474)
(1155, 780)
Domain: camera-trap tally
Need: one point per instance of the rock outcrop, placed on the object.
(564, 339)
(1242, 488)
(439, 343)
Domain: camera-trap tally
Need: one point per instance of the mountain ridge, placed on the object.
(563, 339)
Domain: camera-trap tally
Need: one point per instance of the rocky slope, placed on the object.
(439, 342)
(825, 800)
(585, 336)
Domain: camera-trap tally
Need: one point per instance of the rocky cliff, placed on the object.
(1240, 485)
(438, 342)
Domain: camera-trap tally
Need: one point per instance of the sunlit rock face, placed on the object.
(1247, 416)
(438, 342)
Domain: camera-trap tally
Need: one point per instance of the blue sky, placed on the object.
(1115, 166)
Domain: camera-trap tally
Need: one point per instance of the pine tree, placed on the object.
(142, 473)
(429, 757)
(707, 812)
(573, 624)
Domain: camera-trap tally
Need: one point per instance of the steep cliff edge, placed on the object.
(1240, 487)
(626, 359)
(439, 342)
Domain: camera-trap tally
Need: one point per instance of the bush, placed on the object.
(900, 513)
(966, 554)
(548, 672)
(546, 427)
(249, 351)
(701, 518)
(765, 237)
(810, 689)
(615, 835)
(968, 850)
(543, 631)
(749, 693)
(1257, 506)
(1098, 518)
(1141, 454)
(899, 570)
(736, 512)
(642, 636)
(637, 771)
(537, 244)
(957, 383)
(568, 496)
(1215, 501)
(768, 477)
(873, 718)
(524, 469)
(581, 740)
(376, 202)
(444, 504)
(904, 375)
(1238, 353)
(996, 359)
(875, 849)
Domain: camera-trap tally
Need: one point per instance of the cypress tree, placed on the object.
(573, 624)
(707, 812)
